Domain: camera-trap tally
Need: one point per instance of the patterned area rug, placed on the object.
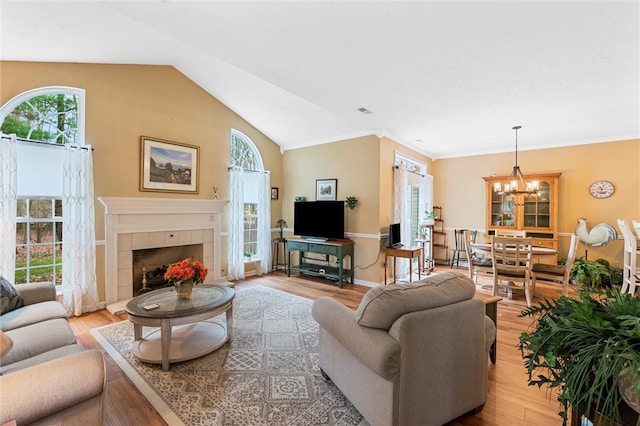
(267, 375)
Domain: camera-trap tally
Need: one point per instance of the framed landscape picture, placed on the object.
(167, 166)
(326, 189)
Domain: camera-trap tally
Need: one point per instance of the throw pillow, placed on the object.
(381, 306)
(10, 297)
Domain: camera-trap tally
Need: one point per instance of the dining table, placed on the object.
(536, 251)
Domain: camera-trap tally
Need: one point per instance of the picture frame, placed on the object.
(326, 189)
(274, 193)
(167, 166)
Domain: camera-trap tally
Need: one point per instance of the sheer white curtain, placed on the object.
(236, 226)
(426, 195)
(8, 206)
(79, 285)
(402, 213)
(264, 222)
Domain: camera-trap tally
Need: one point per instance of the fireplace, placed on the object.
(133, 224)
(149, 265)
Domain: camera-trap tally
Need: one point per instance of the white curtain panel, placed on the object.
(79, 284)
(402, 214)
(8, 206)
(264, 222)
(236, 226)
(426, 196)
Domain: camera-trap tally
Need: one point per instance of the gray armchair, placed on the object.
(411, 354)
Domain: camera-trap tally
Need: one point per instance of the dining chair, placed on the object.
(511, 257)
(458, 236)
(636, 227)
(630, 270)
(510, 233)
(478, 265)
(555, 273)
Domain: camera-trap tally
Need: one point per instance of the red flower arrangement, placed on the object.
(186, 270)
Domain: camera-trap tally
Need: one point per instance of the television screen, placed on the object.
(394, 235)
(319, 219)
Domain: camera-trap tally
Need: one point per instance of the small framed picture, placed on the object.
(167, 166)
(274, 193)
(326, 189)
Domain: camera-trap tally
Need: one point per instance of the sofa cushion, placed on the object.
(35, 339)
(381, 306)
(39, 359)
(9, 297)
(31, 314)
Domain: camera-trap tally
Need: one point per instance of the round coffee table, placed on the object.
(194, 333)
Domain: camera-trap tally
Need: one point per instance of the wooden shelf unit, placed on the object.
(438, 236)
(329, 259)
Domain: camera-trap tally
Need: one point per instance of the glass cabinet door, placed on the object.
(537, 208)
(503, 210)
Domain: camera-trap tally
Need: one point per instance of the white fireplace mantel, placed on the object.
(133, 217)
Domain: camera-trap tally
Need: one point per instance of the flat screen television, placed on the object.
(319, 220)
(394, 235)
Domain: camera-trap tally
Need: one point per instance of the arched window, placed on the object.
(244, 153)
(250, 238)
(245, 156)
(42, 119)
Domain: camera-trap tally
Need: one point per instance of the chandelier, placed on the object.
(516, 183)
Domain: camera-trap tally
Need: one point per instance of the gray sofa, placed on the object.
(45, 376)
(414, 354)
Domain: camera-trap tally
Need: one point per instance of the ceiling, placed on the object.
(447, 79)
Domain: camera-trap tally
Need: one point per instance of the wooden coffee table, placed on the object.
(186, 329)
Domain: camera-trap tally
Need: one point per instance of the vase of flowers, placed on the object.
(184, 275)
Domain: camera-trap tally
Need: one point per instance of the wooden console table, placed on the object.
(408, 253)
(322, 267)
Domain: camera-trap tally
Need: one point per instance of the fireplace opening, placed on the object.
(155, 261)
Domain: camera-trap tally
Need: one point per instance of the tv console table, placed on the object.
(322, 267)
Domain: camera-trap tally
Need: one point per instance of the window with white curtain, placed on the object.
(43, 120)
(420, 191)
(245, 156)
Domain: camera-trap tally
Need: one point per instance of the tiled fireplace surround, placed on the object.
(141, 223)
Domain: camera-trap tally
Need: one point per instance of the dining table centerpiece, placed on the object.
(184, 275)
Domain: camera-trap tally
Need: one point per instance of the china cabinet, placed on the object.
(535, 214)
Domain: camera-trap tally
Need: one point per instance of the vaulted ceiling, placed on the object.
(447, 78)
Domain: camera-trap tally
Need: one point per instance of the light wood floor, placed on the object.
(510, 401)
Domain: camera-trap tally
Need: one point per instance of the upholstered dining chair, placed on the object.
(511, 257)
(459, 247)
(555, 273)
(630, 268)
(478, 265)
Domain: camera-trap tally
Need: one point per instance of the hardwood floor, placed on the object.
(510, 401)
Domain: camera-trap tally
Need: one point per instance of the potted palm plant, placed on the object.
(588, 349)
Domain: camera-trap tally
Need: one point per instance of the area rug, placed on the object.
(267, 375)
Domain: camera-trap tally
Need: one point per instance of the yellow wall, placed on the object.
(363, 167)
(124, 102)
(354, 163)
(459, 187)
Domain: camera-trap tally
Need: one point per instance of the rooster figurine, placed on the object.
(600, 235)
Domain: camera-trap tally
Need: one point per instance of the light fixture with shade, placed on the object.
(516, 184)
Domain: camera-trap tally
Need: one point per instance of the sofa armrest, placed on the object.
(37, 292)
(36, 392)
(375, 348)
